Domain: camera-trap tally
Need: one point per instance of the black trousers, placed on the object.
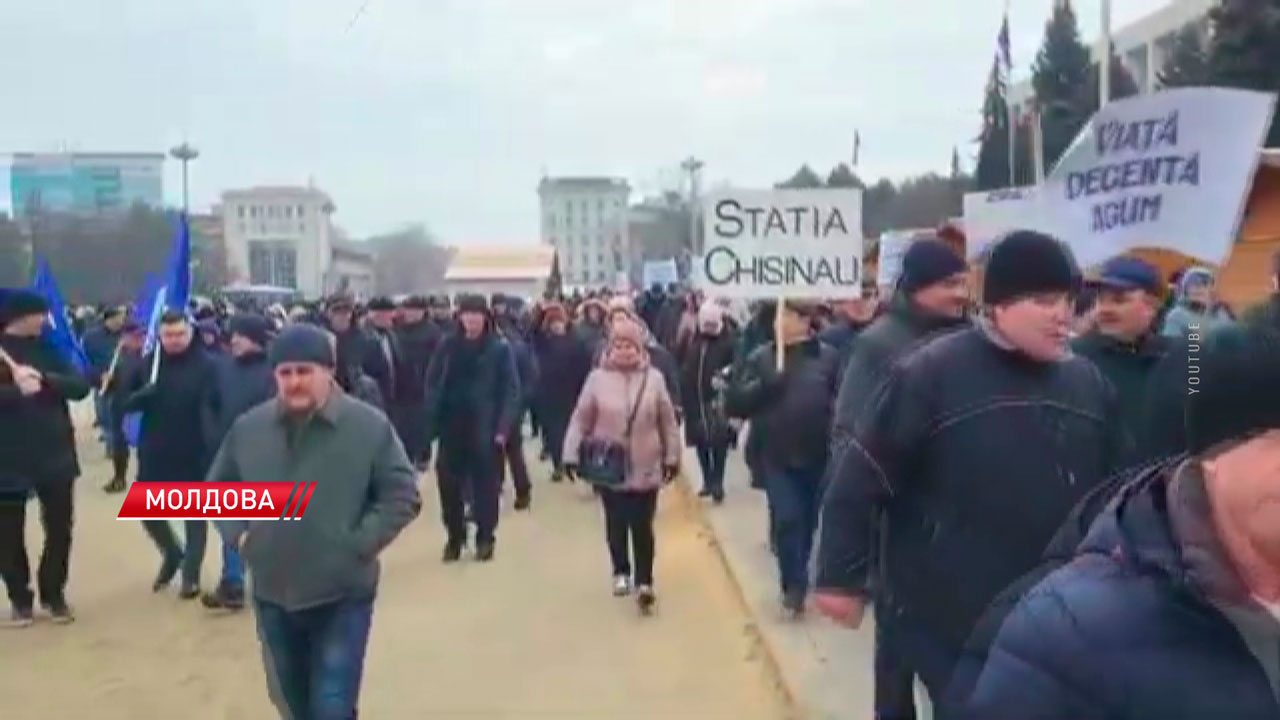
(555, 424)
(894, 680)
(628, 526)
(56, 500)
(463, 475)
(512, 454)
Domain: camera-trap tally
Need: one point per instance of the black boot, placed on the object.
(225, 597)
(452, 552)
(168, 570)
(523, 501)
(484, 551)
(119, 470)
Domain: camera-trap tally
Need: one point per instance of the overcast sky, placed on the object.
(448, 111)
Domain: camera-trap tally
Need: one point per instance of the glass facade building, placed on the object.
(85, 182)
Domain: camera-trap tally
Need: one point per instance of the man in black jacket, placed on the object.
(418, 337)
(175, 443)
(931, 296)
(792, 410)
(512, 453)
(1149, 376)
(976, 448)
(473, 397)
(100, 342)
(244, 381)
(37, 454)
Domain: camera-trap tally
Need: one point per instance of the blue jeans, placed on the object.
(314, 658)
(232, 566)
(794, 497)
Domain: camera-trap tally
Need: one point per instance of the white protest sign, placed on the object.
(660, 272)
(989, 215)
(802, 244)
(893, 245)
(1172, 169)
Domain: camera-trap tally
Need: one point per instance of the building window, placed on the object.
(301, 211)
(288, 211)
(253, 211)
(241, 209)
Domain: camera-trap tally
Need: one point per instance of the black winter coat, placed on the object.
(791, 410)
(975, 454)
(565, 362)
(1150, 379)
(704, 418)
(872, 353)
(176, 443)
(495, 395)
(243, 383)
(37, 438)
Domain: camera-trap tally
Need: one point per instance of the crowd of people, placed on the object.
(1055, 491)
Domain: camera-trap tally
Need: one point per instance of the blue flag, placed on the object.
(177, 277)
(59, 329)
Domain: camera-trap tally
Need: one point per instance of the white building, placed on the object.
(1142, 46)
(351, 271)
(585, 220)
(516, 270)
(279, 236)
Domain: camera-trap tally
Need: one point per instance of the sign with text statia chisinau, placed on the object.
(801, 244)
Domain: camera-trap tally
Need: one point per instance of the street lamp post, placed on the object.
(185, 153)
(693, 166)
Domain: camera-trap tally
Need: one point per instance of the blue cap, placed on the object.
(1130, 273)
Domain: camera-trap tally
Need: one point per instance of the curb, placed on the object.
(785, 684)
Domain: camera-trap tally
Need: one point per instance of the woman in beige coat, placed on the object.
(625, 381)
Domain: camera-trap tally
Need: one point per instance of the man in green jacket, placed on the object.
(314, 579)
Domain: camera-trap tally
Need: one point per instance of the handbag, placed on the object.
(605, 462)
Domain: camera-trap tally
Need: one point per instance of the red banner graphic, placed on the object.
(216, 501)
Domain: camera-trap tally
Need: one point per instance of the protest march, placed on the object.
(1022, 462)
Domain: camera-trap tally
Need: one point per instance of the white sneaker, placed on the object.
(621, 585)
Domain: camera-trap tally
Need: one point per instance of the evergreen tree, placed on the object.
(1188, 62)
(843, 176)
(1061, 70)
(1245, 50)
(805, 177)
(1122, 86)
(992, 171)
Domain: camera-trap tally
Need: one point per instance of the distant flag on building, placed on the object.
(857, 147)
(1003, 46)
(58, 330)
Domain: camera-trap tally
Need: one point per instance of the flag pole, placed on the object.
(1104, 59)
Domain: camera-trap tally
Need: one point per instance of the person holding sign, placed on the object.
(975, 449)
(791, 410)
(37, 455)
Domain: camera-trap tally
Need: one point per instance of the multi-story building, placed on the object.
(585, 220)
(658, 229)
(280, 236)
(85, 183)
(1142, 46)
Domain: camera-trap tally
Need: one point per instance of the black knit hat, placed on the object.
(1236, 388)
(252, 326)
(928, 261)
(19, 304)
(1025, 262)
(302, 344)
(473, 303)
(415, 302)
(381, 303)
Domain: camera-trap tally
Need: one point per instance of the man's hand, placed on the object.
(841, 608)
(28, 380)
